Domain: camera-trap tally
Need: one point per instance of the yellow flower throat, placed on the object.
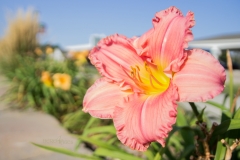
(149, 78)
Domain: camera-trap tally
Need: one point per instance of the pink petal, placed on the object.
(114, 56)
(175, 65)
(170, 36)
(200, 78)
(142, 43)
(101, 98)
(145, 119)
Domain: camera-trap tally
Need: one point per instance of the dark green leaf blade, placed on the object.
(115, 154)
(66, 152)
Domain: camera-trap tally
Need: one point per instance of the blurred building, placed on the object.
(81, 51)
(215, 45)
(93, 40)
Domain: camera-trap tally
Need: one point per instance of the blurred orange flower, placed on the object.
(49, 50)
(62, 80)
(46, 78)
(38, 51)
(80, 57)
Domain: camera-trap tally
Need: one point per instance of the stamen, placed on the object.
(152, 82)
(146, 65)
(132, 67)
(139, 77)
(127, 73)
(137, 67)
(142, 85)
(134, 71)
(132, 74)
(147, 68)
(156, 80)
(146, 80)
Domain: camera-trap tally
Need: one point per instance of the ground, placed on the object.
(19, 128)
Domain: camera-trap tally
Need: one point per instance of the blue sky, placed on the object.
(72, 22)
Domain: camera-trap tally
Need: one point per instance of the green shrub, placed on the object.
(28, 88)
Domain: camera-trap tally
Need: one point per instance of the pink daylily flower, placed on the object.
(143, 78)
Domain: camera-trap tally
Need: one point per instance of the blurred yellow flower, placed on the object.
(38, 51)
(49, 50)
(46, 78)
(62, 80)
(81, 57)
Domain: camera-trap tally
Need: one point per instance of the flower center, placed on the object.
(149, 78)
(62, 80)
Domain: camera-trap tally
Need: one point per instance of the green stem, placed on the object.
(195, 111)
(194, 108)
(230, 72)
(231, 91)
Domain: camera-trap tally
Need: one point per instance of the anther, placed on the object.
(132, 74)
(146, 67)
(137, 67)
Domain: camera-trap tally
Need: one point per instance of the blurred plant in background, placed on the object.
(37, 78)
(20, 37)
(80, 57)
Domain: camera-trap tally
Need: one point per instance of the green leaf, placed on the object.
(225, 99)
(98, 143)
(30, 99)
(89, 123)
(201, 114)
(230, 83)
(234, 124)
(187, 135)
(66, 152)
(99, 136)
(115, 154)
(175, 140)
(149, 154)
(187, 151)
(155, 146)
(225, 126)
(195, 111)
(168, 153)
(109, 129)
(158, 156)
(220, 152)
(79, 142)
(181, 119)
(237, 114)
